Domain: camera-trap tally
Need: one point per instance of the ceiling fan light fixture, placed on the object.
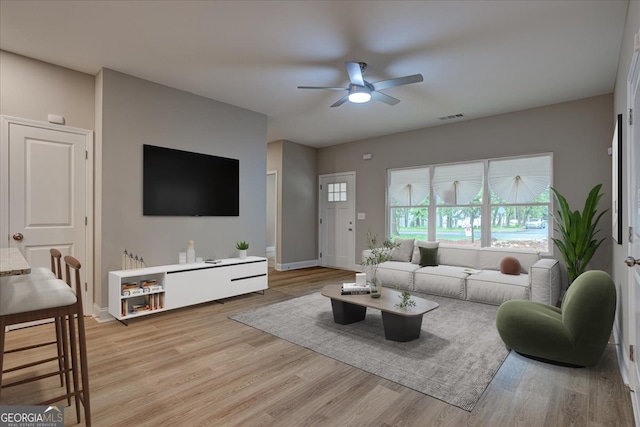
(359, 94)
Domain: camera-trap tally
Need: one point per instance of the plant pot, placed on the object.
(242, 253)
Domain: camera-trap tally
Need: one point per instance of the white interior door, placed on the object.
(337, 220)
(46, 194)
(633, 247)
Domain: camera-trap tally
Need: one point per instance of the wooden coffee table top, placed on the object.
(387, 301)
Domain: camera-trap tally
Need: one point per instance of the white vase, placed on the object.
(242, 253)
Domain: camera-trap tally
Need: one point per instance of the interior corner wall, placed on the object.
(578, 133)
(299, 208)
(274, 163)
(137, 112)
(297, 203)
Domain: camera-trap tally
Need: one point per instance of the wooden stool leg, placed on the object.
(3, 328)
(65, 350)
(74, 364)
(82, 342)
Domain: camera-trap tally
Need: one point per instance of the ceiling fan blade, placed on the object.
(340, 101)
(379, 96)
(398, 81)
(355, 73)
(323, 87)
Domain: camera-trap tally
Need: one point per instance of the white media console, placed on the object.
(134, 293)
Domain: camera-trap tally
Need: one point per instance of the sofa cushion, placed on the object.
(404, 251)
(490, 258)
(442, 280)
(510, 265)
(493, 287)
(396, 274)
(428, 257)
(415, 258)
(458, 255)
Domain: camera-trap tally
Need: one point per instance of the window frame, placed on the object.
(486, 204)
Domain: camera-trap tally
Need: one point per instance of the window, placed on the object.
(459, 203)
(337, 192)
(493, 202)
(408, 200)
(520, 202)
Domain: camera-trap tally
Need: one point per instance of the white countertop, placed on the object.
(12, 262)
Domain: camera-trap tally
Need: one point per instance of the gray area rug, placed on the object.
(454, 360)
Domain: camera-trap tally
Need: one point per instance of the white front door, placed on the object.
(633, 210)
(337, 220)
(46, 193)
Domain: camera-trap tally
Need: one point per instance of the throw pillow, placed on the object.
(428, 257)
(403, 251)
(415, 258)
(510, 265)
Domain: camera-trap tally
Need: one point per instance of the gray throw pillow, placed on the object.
(415, 259)
(428, 257)
(404, 251)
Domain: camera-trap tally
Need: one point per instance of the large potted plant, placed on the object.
(577, 242)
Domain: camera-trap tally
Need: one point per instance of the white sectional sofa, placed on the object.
(472, 274)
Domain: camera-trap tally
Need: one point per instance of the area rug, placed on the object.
(454, 360)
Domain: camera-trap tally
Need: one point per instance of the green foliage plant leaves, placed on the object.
(577, 241)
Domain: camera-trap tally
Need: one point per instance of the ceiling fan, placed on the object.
(361, 90)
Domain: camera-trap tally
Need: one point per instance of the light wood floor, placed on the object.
(194, 367)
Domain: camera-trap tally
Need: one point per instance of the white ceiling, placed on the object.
(479, 57)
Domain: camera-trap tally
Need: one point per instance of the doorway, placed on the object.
(337, 225)
(46, 195)
(272, 217)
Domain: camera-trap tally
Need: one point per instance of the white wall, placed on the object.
(137, 112)
(33, 89)
(578, 133)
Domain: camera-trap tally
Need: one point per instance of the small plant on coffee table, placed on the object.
(242, 246)
(405, 300)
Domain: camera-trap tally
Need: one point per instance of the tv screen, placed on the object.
(182, 183)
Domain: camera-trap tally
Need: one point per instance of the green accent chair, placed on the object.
(575, 334)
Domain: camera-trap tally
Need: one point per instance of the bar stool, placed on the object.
(43, 273)
(33, 300)
(81, 395)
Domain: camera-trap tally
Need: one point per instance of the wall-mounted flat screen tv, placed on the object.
(182, 183)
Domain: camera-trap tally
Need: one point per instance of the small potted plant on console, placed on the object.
(242, 249)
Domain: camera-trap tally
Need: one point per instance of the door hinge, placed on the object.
(320, 254)
(86, 154)
(630, 116)
(631, 353)
(320, 220)
(86, 221)
(85, 287)
(630, 234)
(320, 186)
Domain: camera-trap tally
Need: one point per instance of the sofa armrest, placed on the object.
(545, 281)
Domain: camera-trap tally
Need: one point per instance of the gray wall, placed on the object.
(619, 269)
(578, 133)
(33, 89)
(297, 203)
(137, 112)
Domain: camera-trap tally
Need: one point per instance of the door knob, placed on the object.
(631, 261)
(18, 236)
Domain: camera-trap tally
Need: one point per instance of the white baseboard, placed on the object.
(297, 265)
(624, 370)
(101, 314)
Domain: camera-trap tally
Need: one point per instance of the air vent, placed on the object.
(452, 116)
